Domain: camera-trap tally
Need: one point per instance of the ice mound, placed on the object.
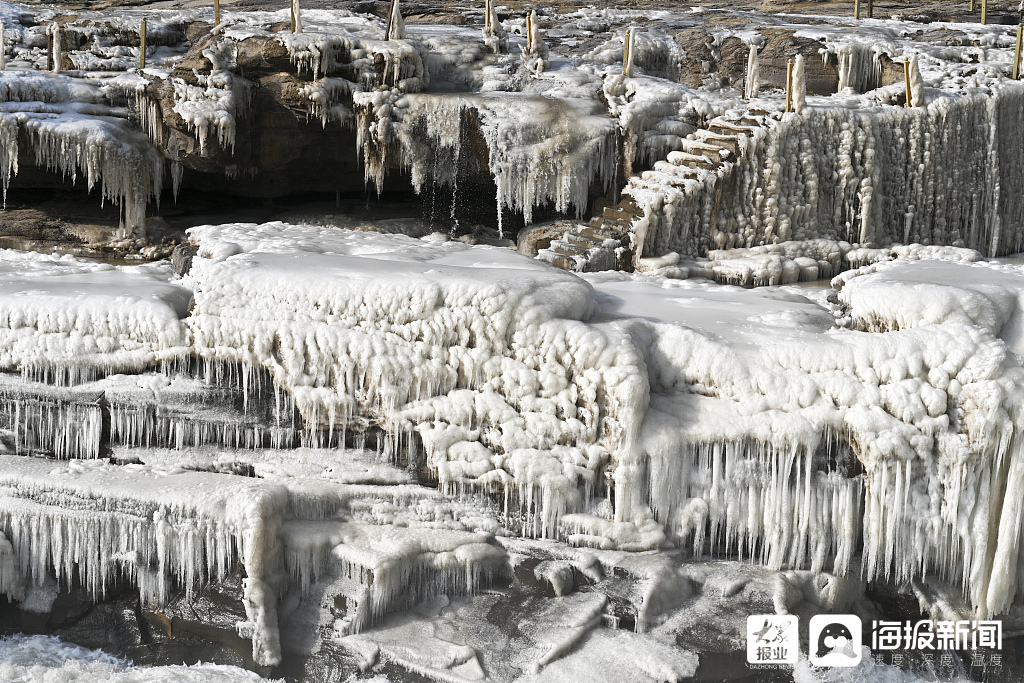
(69, 320)
(477, 356)
(766, 424)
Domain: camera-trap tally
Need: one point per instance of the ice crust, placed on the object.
(742, 417)
(70, 320)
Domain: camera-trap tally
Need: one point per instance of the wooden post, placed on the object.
(789, 86)
(1016, 54)
(216, 12)
(972, 5)
(487, 14)
(984, 8)
(529, 33)
(391, 16)
(871, 10)
(49, 49)
(906, 79)
(293, 17)
(142, 45)
(856, 9)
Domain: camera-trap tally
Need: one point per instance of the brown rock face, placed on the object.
(279, 147)
(781, 46)
(725, 63)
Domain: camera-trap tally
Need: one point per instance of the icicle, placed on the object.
(495, 36)
(917, 96)
(395, 29)
(799, 85)
(752, 85)
(177, 170)
(56, 51)
(8, 151)
(536, 52)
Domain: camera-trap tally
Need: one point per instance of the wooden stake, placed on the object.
(1016, 53)
(972, 5)
(906, 80)
(984, 8)
(293, 18)
(487, 14)
(142, 45)
(216, 12)
(49, 49)
(856, 9)
(529, 33)
(870, 9)
(789, 86)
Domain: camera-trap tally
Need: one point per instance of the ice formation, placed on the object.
(621, 412)
(752, 84)
(905, 151)
(210, 105)
(495, 36)
(67, 320)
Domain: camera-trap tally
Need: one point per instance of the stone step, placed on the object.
(581, 241)
(691, 160)
(628, 204)
(565, 248)
(600, 233)
(620, 214)
(714, 152)
(711, 138)
(557, 260)
(729, 128)
(682, 170)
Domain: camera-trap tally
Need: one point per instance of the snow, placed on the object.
(748, 392)
(478, 352)
(71, 320)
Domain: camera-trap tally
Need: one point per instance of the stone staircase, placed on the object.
(606, 242)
